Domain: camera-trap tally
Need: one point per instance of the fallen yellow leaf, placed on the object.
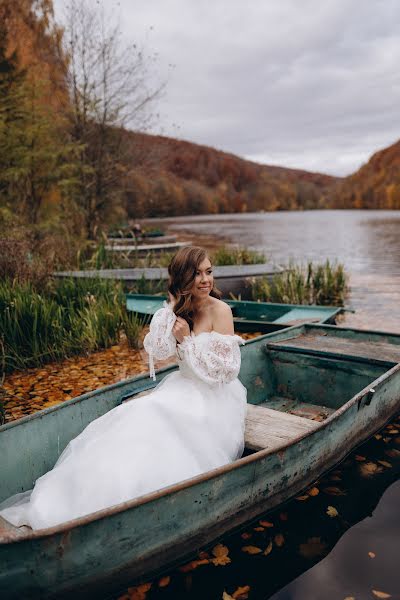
(139, 592)
(192, 565)
(379, 594)
(384, 463)
(242, 593)
(226, 596)
(259, 528)
(302, 498)
(359, 458)
(251, 549)
(164, 581)
(331, 511)
(266, 523)
(268, 549)
(392, 452)
(370, 468)
(221, 555)
(314, 491)
(334, 491)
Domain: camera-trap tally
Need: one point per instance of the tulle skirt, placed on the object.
(182, 428)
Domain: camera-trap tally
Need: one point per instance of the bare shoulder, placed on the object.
(219, 307)
(222, 319)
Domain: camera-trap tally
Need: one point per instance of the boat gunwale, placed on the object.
(325, 308)
(198, 479)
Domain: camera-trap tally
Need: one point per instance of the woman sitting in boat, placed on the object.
(193, 421)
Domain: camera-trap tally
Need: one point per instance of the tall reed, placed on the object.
(226, 255)
(323, 284)
(68, 317)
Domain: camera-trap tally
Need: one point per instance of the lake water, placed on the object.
(321, 557)
(367, 242)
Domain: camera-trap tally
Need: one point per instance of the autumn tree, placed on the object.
(36, 156)
(108, 87)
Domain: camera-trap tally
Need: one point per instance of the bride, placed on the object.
(193, 421)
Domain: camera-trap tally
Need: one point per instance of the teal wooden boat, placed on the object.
(315, 392)
(264, 317)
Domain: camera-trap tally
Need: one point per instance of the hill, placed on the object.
(166, 176)
(375, 185)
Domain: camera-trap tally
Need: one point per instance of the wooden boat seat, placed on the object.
(334, 346)
(268, 428)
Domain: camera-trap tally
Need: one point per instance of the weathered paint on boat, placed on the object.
(231, 279)
(104, 551)
(248, 315)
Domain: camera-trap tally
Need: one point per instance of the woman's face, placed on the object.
(203, 281)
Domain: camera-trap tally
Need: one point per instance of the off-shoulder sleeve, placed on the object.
(213, 357)
(160, 343)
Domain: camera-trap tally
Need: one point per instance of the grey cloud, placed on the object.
(307, 84)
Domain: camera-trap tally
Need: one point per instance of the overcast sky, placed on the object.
(301, 83)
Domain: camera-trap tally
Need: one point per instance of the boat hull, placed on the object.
(143, 536)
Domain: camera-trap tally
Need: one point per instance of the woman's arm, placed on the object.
(160, 342)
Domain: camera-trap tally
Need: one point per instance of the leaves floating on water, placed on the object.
(359, 458)
(268, 548)
(314, 491)
(220, 553)
(241, 593)
(251, 549)
(139, 592)
(379, 594)
(193, 564)
(392, 453)
(331, 511)
(266, 523)
(385, 463)
(370, 468)
(334, 491)
(312, 548)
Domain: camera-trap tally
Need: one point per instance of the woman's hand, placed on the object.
(171, 299)
(180, 329)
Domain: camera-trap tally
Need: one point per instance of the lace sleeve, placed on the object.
(160, 343)
(213, 357)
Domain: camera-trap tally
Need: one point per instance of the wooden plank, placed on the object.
(379, 351)
(267, 428)
(306, 410)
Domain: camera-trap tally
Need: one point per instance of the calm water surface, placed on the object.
(367, 242)
(322, 557)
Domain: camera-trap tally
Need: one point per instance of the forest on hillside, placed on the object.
(75, 104)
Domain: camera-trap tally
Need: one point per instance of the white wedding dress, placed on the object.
(193, 421)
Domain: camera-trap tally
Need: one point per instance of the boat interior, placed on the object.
(310, 373)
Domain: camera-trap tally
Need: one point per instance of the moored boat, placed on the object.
(314, 391)
(264, 317)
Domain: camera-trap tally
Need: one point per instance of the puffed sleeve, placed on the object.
(160, 343)
(213, 357)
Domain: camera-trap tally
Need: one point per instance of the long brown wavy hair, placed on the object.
(182, 273)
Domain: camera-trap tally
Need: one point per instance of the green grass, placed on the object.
(67, 318)
(323, 284)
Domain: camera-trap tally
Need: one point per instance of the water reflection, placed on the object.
(312, 555)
